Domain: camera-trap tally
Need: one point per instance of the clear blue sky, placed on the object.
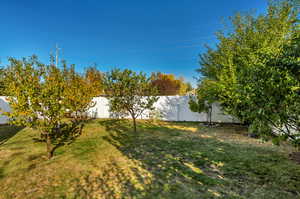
(156, 35)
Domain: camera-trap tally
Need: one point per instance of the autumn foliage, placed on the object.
(168, 84)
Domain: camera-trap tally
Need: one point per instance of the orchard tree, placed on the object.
(130, 93)
(255, 70)
(199, 105)
(203, 99)
(38, 99)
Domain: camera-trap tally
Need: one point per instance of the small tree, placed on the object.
(129, 92)
(38, 99)
(203, 100)
(199, 105)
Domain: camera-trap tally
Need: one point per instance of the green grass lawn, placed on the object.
(162, 160)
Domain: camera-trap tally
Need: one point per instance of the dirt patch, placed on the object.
(295, 156)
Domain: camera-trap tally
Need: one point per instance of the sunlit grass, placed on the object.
(163, 160)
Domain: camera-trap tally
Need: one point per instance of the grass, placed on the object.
(163, 160)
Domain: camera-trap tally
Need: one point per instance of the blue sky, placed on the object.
(149, 36)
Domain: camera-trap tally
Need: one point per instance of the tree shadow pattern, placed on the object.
(178, 169)
(65, 134)
(7, 132)
(178, 164)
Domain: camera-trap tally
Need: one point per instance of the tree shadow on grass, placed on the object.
(113, 182)
(1, 173)
(7, 132)
(175, 166)
(185, 166)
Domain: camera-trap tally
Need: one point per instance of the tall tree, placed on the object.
(202, 101)
(254, 69)
(129, 92)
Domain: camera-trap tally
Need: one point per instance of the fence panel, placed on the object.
(4, 106)
(170, 108)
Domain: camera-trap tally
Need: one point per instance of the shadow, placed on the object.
(92, 113)
(93, 186)
(176, 108)
(7, 132)
(65, 134)
(115, 124)
(1, 173)
(170, 108)
(35, 161)
(6, 163)
(117, 115)
(171, 163)
(295, 156)
(185, 166)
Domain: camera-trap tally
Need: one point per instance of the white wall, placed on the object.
(4, 106)
(171, 108)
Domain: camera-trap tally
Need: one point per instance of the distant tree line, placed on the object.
(166, 84)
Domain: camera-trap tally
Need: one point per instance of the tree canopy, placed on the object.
(254, 71)
(41, 95)
(129, 93)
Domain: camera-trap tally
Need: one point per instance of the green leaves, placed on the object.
(255, 71)
(41, 95)
(129, 92)
(79, 92)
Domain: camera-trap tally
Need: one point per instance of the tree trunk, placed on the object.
(210, 112)
(134, 124)
(207, 118)
(209, 115)
(50, 148)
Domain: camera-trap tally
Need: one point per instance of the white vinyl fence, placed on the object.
(169, 108)
(4, 106)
